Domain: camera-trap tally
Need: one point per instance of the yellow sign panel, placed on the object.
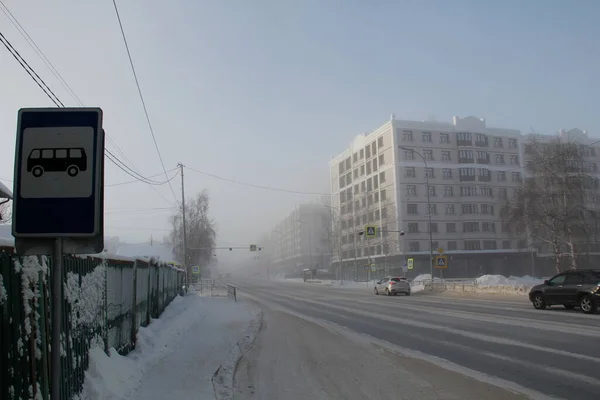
(373, 268)
(410, 263)
(370, 230)
(441, 262)
(440, 250)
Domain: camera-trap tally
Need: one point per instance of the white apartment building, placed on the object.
(302, 239)
(381, 180)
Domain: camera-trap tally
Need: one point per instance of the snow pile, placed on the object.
(420, 281)
(500, 280)
(175, 356)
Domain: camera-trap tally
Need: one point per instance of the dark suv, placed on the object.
(573, 288)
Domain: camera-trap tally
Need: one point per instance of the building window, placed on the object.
(466, 174)
(428, 155)
(502, 193)
(452, 245)
(355, 157)
(376, 196)
(407, 136)
(489, 227)
(380, 141)
(431, 190)
(472, 245)
(506, 244)
(411, 209)
(512, 143)
(426, 137)
(446, 155)
(465, 155)
(516, 177)
(500, 159)
(413, 227)
(374, 164)
(487, 209)
(501, 176)
(368, 151)
(470, 227)
(411, 190)
(362, 170)
(381, 159)
(489, 245)
(409, 155)
(514, 160)
(469, 209)
(498, 142)
(382, 176)
(413, 246)
(362, 153)
(448, 191)
(434, 229)
(449, 209)
(429, 173)
(444, 138)
(383, 195)
(368, 168)
(409, 172)
(433, 209)
(446, 173)
(450, 227)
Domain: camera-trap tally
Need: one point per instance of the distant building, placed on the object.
(381, 180)
(302, 239)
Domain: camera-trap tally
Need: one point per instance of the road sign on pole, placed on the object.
(58, 196)
(59, 181)
(252, 247)
(441, 262)
(373, 268)
(370, 230)
(196, 270)
(410, 263)
(440, 250)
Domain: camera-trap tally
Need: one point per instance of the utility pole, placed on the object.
(185, 254)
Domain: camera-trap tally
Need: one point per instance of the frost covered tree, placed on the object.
(201, 231)
(555, 204)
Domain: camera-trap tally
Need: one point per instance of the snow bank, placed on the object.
(158, 362)
(500, 280)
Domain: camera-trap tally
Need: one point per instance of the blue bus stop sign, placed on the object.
(59, 173)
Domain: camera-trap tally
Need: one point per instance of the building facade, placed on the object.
(458, 173)
(303, 239)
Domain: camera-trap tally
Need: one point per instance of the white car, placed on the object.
(392, 286)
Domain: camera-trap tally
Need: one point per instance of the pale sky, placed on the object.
(266, 91)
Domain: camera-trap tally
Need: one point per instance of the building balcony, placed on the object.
(483, 161)
(464, 143)
(466, 160)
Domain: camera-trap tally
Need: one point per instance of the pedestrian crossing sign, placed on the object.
(370, 231)
(441, 262)
(410, 263)
(252, 247)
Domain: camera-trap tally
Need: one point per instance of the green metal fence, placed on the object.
(106, 300)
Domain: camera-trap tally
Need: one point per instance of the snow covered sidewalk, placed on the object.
(176, 355)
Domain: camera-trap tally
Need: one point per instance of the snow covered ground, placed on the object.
(176, 355)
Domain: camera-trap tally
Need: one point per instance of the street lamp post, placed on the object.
(428, 211)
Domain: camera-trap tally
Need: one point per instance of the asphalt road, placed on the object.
(324, 342)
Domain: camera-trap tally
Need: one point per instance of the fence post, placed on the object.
(132, 334)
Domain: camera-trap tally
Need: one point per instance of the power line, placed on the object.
(40, 82)
(39, 51)
(54, 71)
(257, 186)
(151, 176)
(137, 83)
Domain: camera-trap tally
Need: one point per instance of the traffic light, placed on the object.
(260, 249)
(230, 249)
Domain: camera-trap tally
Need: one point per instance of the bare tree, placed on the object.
(553, 205)
(201, 231)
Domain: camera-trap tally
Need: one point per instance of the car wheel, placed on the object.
(539, 302)
(387, 291)
(37, 171)
(587, 304)
(376, 292)
(408, 293)
(72, 171)
(569, 306)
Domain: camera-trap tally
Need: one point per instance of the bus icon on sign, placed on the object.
(69, 160)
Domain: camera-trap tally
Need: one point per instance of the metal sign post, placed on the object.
(58, 197)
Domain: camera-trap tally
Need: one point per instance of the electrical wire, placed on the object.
(137, 83)
(52, 96)
(40, 82)
(151, 176)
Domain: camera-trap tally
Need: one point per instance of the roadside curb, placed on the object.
(222, 380)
